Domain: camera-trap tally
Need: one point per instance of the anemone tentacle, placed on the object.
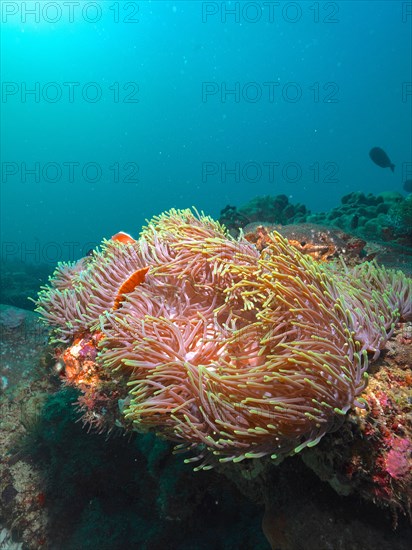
(225, 350)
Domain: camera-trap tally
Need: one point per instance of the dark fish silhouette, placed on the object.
(380, 158)
(407, 185)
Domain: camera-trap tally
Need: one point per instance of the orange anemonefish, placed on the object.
(135, 279)
(123, 238)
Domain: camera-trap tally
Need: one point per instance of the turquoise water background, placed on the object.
(334, 78)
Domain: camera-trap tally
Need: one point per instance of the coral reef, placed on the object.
(372, 454)
(65, 487)
(384, 217)
(302, 513)
(400, 217)
(372, 226)
(70, 489)
(231, 352)
(380, 216)
(266, 209)
(318, 241)
(23, 390)
(73, 489)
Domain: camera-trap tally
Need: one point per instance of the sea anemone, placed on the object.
(231, 352)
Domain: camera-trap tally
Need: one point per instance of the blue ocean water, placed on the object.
(113, 112)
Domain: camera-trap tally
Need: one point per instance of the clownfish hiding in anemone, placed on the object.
(135, 279)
